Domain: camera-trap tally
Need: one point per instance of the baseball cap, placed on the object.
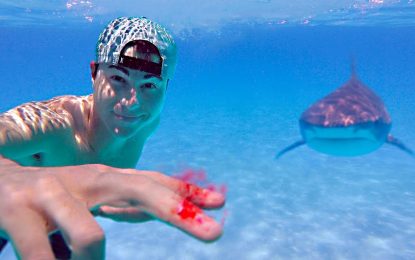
(123, 32)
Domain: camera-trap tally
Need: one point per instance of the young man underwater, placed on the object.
(64, 158)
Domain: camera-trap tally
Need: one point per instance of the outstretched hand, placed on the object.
(35, 201)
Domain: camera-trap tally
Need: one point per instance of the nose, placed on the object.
(130, 102)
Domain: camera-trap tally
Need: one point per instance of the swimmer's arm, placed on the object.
(23, 131)
(51, 198)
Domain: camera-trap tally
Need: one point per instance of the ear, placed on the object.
(94, 68)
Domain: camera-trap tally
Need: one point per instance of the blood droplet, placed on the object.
(192, 176)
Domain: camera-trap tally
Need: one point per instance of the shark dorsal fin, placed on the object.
(353, 68)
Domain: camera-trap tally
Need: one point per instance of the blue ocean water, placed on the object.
(235, 100)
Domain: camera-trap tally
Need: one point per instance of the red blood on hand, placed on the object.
(193, 193)
(188, 211)
(194, 177)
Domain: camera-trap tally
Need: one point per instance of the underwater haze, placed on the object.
(246, 71)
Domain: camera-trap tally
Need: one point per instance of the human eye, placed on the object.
(118, 79)
(148, 86)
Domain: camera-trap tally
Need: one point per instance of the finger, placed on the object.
(176, 210)
(157, 200)
(130, 214)
(78, 226)
(201, 197)
(28, 234)
(190, 218)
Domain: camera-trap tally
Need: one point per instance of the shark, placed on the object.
(350, 121)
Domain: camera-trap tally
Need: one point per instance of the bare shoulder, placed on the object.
(45, 115)
(68, 103)
(33, 119)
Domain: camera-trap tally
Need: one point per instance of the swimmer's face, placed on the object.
(126, 100)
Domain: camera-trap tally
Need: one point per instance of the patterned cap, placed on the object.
(123, 30)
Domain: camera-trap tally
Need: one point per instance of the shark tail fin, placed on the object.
(289, 148)
(396, 142)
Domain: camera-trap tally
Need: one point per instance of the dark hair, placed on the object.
(142, 46)
(142, 63)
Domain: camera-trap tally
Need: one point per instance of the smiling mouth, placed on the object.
(129, 118)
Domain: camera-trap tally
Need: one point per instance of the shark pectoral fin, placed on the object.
(289, 148)
(396, 142)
